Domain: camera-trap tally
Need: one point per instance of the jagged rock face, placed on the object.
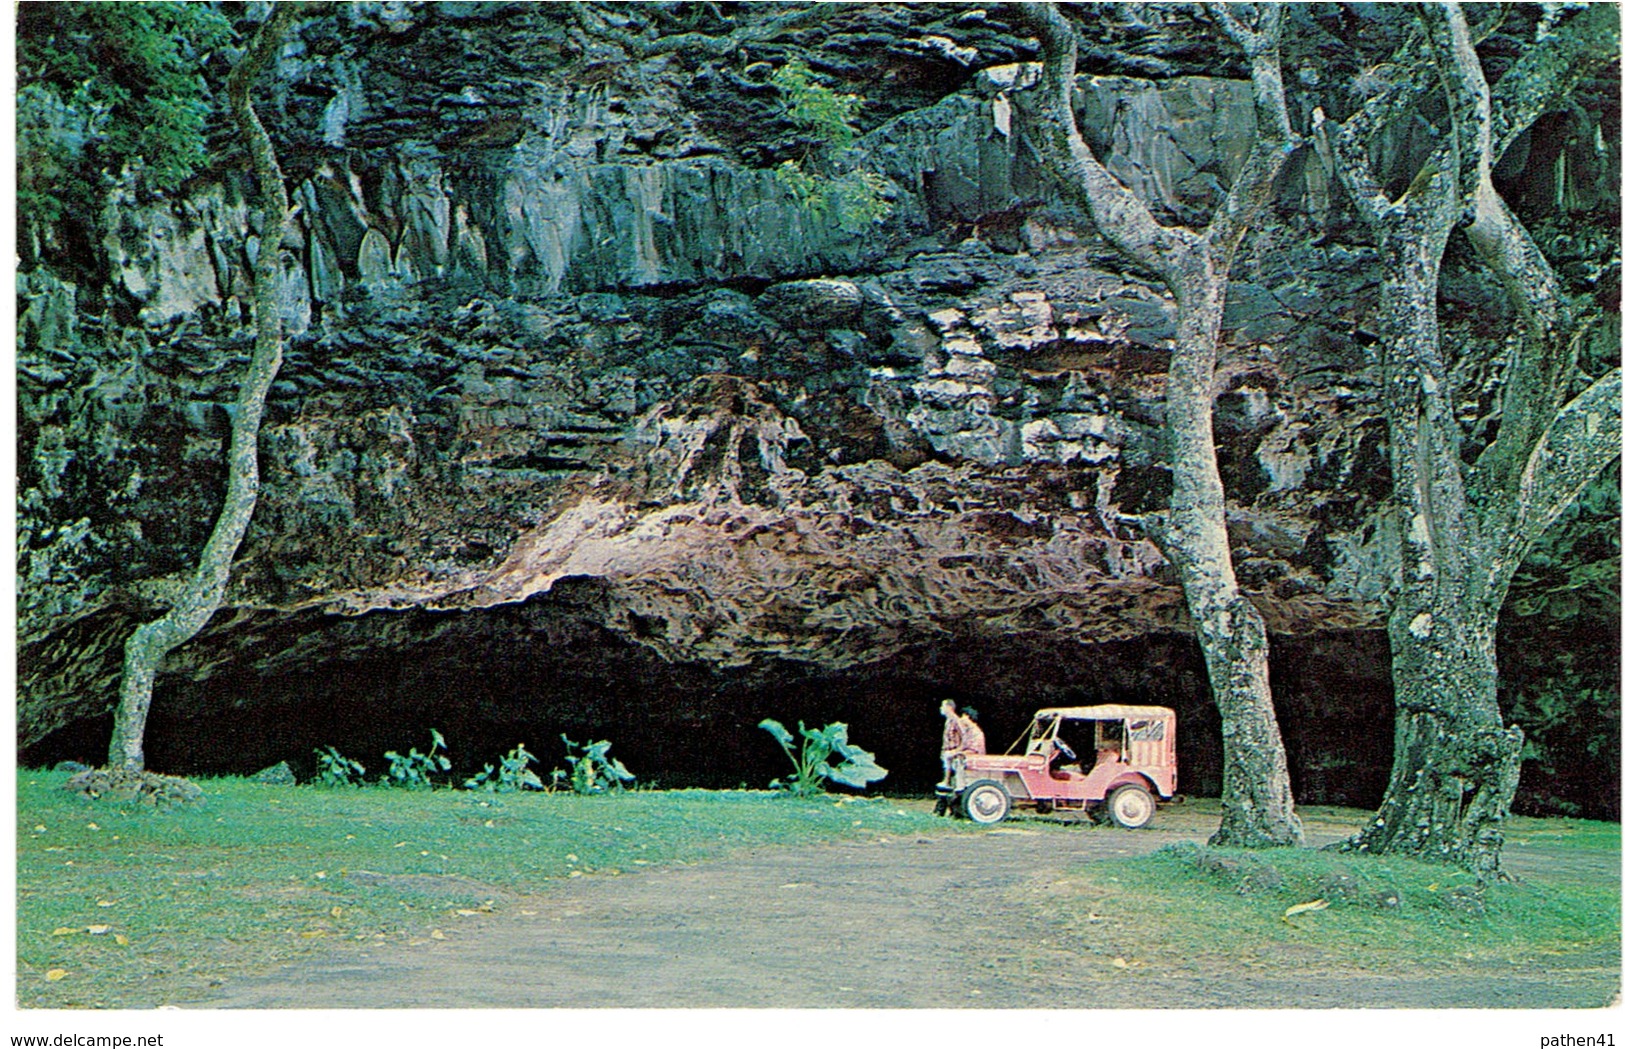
(562, 341)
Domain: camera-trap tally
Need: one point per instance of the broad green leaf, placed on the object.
(858, 770)
(778, 731)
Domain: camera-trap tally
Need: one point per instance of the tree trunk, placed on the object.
(204, 591)
(1467, 526)
(1258, 809)
(1257, 792)
(1455, 763)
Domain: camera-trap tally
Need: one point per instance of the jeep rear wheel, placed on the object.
(1130, 806)
(985, 802)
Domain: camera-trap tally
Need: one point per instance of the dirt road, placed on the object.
(853, 925)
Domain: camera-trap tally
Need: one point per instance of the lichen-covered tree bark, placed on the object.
(1469, 523)
(200, 595)
(1257, 794)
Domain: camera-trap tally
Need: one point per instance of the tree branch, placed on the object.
(1542, 354)
(1118, 214)
(1468, 94)
(1546, 75)
(1581, 441)
(1405, 82)
(1274, 140)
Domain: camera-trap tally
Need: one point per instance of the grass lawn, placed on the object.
(121, 906)
(1188, 907)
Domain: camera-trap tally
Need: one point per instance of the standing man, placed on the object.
(953, 737)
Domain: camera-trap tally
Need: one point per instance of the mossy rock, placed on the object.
(278, 775)
(149, 788)
(1248, 876)
(1341, 885)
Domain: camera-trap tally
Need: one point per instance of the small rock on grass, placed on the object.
(278, 775)
(1468, 899)
(1340, 885)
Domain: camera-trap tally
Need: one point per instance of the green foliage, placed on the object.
(53, 134)
(856, 768)
(807, 188)
(336, 770)
(514, 774)
(821, 110)
(102, 87)
(592, 770)
(414, 770)
(854, 200)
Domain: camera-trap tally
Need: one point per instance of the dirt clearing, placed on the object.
(933, 921)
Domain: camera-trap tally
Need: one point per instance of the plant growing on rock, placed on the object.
(514, 774)
(414, 770)
(592, 770)
(856, 768)
(81, 118)
(854, 199)
(335, 770)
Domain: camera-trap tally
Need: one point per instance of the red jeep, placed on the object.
(1131, 765)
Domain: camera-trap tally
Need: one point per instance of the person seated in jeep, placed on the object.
(1063, 759)
(1109, 748)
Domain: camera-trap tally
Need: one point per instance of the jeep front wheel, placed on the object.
(1130, 806)
(985, 802)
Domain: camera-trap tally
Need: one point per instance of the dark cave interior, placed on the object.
(494, 678)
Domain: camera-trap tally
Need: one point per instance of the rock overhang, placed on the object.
(513, 333)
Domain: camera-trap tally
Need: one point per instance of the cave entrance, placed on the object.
(493, 678)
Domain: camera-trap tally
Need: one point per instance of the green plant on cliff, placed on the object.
(821, 110)
(855, 199)
(105, 87)
(855, 768)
